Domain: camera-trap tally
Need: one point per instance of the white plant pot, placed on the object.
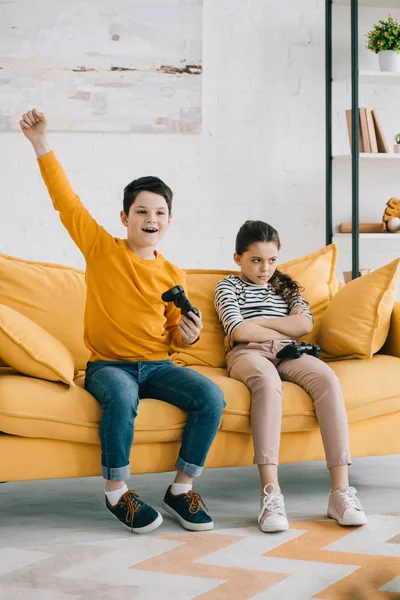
(389, 60)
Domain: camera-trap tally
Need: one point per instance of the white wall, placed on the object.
(127, 66)
(261, 154)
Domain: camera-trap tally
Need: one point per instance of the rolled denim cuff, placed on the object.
(116, 473)
(192, 470)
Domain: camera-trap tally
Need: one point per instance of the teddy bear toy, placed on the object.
(391, 216)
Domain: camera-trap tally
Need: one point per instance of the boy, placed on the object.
(128, 329)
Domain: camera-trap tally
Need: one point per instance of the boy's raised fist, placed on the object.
(33, 124)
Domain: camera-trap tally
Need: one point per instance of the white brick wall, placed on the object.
(260, 155)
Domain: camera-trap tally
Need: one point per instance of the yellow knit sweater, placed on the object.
(125, 318)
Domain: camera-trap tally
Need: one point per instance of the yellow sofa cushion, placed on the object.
(33, 351)
(315, 272)
(32, 407)
(53, 296)
(36, 408)
(369, 387)
(209, 350)
(392, 344)
(357, 321)
(369, 390)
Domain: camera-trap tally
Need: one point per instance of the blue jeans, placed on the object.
(118, 386)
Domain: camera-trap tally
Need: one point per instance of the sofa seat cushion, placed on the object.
(370, 388)
(298, 410)
(32, 407)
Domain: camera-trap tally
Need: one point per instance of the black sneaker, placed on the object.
(135, 514)
(187, 509)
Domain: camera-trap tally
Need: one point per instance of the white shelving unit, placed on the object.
(374, 77)
(374, 247)
(388, 237)
(370, 3)
(370, 156)
(379, 77)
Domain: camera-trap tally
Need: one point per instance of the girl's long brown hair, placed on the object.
(259, 231)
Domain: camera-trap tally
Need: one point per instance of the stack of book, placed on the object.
(370, 132)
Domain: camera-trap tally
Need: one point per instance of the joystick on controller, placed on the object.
(177, 296)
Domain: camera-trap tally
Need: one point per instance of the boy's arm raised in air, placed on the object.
(87, 234)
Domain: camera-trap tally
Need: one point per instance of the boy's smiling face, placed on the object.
(147, 222)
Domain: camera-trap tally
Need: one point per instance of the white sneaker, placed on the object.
(272, 516)
(345, 507)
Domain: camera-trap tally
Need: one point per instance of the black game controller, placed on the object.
(177, 296)
(295, 350)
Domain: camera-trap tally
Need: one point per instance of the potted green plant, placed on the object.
(384, 40)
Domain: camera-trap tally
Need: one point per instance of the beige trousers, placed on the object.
(256, 365)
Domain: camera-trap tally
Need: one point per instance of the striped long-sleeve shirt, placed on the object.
(237, 301)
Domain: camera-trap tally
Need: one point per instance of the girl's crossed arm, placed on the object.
(251, 331)
(238, 329)
(299, 321)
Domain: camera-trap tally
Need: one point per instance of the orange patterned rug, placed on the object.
(313, 559)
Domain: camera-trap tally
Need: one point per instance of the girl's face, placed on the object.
(258, 263)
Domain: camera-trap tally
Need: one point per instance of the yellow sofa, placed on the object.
(50, 428)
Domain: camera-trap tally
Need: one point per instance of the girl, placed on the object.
(262, 310)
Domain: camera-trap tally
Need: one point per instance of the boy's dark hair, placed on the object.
(146, 184)
(259, 231)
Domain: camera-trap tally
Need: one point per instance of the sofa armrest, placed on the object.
(392, 344)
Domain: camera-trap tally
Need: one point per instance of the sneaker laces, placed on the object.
(195, 502)
(348, 495)
(129, 502)
(272, 501)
